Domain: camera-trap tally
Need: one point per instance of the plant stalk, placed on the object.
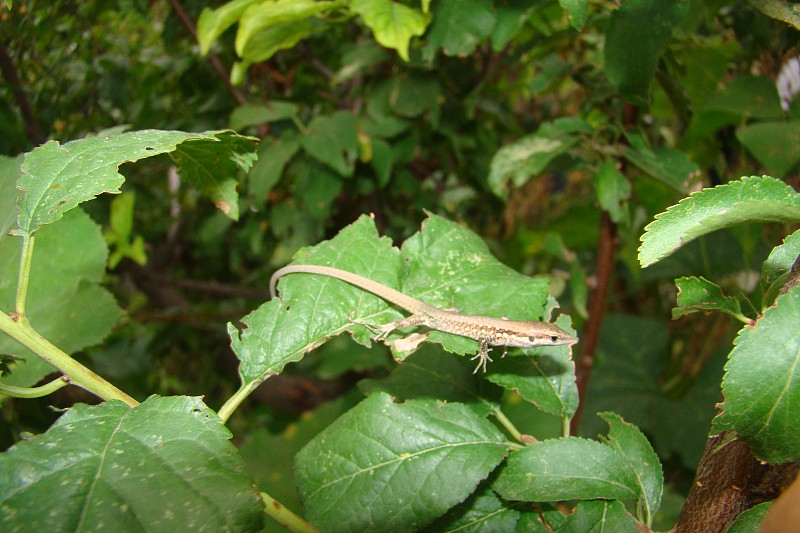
(285, 517)
(21, 331)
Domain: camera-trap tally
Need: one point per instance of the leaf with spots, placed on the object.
(444, 264)
(166, 465)
(57, 177)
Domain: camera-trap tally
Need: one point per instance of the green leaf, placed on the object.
(482, 511)
(318, 307)
(65, 302)
(638, 33)
(698, 294)
(459, 26)
(750, 520)
(761, 384)
(519, 162)
(382, 161)
(746, 200)
(566, 469)
(783, 11)
(211, 166)
(316, 189)
(748, 97)
(578, 11)
(546, 379)
(333, 140)
(774, 144)
(9, 174)
(631, 443)
(213, 22)
(411, 96)
(270, 41)
(599, 516)
(392, 23)
(405, 464)
(166, 464)
(612, 191)
(510, 20)
(473, 274)
(781, 258)
(120, 235)
(269, 456)
(273, 155)
(263, 16)
(669, 166)
(358, 60)
(248, 115)
(55, 178)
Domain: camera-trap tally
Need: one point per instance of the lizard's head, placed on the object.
(546, 334)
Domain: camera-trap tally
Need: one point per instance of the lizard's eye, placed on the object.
(554, 338)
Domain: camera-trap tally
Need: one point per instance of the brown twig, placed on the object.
(591, 333)
(213, 59)
(32, 126)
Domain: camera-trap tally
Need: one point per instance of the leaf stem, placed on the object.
(26, 255)
(21, 331)
(285, 517)
(236, 400)
(33, 392)
(506, 423)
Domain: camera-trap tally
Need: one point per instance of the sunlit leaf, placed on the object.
(393, 24)
(213, 22)
(55, 177)
(746, 200)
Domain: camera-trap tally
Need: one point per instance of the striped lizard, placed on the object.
(488, 331)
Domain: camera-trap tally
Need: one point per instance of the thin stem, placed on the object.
(285, 517)
(33, 392)
(21, 331)
(506, 423)
(26, 256)
(236, 400)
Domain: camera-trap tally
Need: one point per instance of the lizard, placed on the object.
(488, 331)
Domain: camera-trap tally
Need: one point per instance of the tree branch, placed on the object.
(9, 71)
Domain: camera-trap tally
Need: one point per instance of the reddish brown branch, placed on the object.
(32, 126)
(213, 59)
(606, 253)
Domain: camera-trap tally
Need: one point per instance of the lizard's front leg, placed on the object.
(482, 356)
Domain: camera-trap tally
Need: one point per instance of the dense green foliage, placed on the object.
(626, 170)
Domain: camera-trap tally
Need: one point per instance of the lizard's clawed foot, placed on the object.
(483, 358)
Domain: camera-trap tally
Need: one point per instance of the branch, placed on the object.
(729, 478)
(591, 333)
(9, 72)
(213, 59)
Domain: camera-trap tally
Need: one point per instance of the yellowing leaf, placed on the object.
(393, 24)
